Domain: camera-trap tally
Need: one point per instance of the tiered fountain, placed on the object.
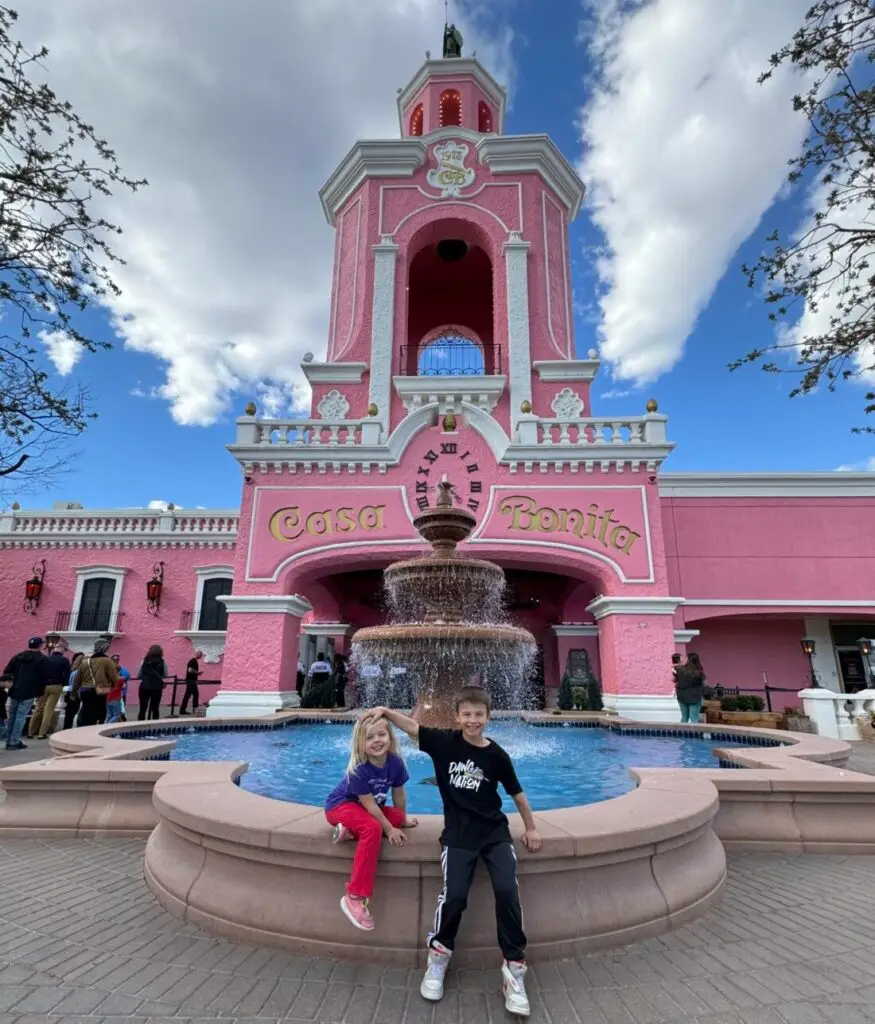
(446, 630)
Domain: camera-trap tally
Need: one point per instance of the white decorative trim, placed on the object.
(450, 393)
(385, 158)
(326, 628)
(534, 154)
(685, 636)
(452, 70)
(82, 640)
(767, 485)
(251, 703)
(567, 404)
(210, 641)
(770, 602)
(334, 373)
(119, 528)
(516, 260)
(575, 629)
(450, 176)
(333, 405)
(644, 708)
(567, 369)
(267, 604)
(605, 605)
(382, 327)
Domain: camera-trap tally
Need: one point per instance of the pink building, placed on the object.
(451, 350)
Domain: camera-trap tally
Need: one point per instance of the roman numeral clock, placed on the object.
(462, 470)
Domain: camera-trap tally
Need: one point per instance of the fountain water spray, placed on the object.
(445, 630)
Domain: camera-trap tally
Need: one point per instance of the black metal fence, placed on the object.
(764, 691)
(210, 617)
(83, 621)
(450, 359)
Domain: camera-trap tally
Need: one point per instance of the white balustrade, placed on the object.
(834, 714)
(309, 433)
(589, 431)
(110, 526)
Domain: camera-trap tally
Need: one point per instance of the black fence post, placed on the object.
(173, 697)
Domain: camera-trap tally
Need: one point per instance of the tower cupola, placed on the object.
(453, 92)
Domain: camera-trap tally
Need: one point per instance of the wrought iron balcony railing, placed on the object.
(450, 358)
(212, 618)
(94, 621)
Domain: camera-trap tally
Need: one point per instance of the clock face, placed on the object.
(448, 454)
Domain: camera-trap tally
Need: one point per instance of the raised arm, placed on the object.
(402, 722)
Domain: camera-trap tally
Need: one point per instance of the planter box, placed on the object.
(798, 723)
(755, 719)
(866, 729)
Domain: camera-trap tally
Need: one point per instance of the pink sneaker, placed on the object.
(342, 834)
(356, 909)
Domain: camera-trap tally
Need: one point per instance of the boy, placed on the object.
(468, 769)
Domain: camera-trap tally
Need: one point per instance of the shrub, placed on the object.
(729, 704)
(566, 696)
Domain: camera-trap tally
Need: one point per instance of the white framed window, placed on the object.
(97, 600)
(209, 618)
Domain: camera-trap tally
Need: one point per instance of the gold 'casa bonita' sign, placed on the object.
(288, 524)
(525, 514)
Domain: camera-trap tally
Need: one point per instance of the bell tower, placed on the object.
(451, 278)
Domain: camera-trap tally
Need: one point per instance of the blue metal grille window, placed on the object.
(451, 356)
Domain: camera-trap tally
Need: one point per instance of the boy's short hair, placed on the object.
(473, 695)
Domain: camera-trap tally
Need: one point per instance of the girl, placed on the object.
(357, 809)
(152, 674)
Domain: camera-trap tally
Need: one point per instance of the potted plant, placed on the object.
(566, 694)
(795, 720)
(866, 726)
(578, 695)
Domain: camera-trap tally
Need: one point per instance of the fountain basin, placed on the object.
(265, 871)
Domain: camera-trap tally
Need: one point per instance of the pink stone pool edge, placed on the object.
(261, 870)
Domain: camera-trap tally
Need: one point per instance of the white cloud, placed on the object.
(684, 151)
(62, 350)
(866, 466)
(615, 393)
(237, 115)
(158, 505)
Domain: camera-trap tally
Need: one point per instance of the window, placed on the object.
(450, 355)
(416, 119)
(213, 614)
(484, 118)
(451, 109)
(95, 612)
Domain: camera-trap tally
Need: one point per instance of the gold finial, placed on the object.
(250, 409)
(449, 422)
(170, 506)
(372, 409)
(525, 406)
(652, 405)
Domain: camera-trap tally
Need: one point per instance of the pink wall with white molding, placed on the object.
(140, 629)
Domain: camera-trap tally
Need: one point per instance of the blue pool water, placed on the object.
(558, 767)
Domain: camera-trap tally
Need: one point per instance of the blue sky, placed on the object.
(237, 119)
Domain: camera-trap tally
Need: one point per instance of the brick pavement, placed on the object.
(82, 940)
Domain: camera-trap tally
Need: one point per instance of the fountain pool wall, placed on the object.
(264, 871)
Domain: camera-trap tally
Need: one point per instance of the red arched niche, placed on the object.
(484, 118)
(450, 281)
(416, 120)
(451, 109)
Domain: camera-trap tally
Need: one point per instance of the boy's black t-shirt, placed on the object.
(468, 779)
(192, 671)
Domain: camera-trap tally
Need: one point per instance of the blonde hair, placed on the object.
(360, 732)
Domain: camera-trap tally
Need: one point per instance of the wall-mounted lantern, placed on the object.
(34, 587)
(154, 588)
(808, 649)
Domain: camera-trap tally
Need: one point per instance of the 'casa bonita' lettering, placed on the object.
(286, 524)
(601, 526)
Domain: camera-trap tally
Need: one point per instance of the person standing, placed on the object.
(72, 702)
(29, 673)
(115, 697)
(192, 674)
(690, 687)
(152, 674)
(97, 676)
(340, 680)
(57, 677)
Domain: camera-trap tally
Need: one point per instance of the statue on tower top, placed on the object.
(452, 41)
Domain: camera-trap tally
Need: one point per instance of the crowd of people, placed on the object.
(94, 688)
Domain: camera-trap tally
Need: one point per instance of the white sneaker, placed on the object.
(432, 987)
(341, 834)
(513, 988)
